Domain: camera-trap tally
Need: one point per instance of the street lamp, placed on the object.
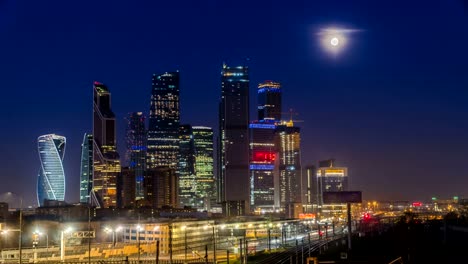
(139, 228)
(156, 228)
(214, 241)
(36, 235)
(62, 242)
(20, 230)
(113, 231)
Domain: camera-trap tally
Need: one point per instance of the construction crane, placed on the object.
(291, 121)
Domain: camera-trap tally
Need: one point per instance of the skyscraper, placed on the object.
(136, 150)
(106, 163)
(269, 101)
(164, 118)
(186, 167)
(288, 141)
(204, 166)
(262, 165)
(86, 173)
(51, 179)
(262, 146)
(330, 179)
(234, 135)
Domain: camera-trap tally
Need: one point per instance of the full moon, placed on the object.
(334, 41)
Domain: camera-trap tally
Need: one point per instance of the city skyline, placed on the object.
(392, 112)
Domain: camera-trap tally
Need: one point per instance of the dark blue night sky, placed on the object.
(392, 107)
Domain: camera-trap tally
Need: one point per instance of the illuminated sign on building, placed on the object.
(334, 172)
(264, 156)
(262, 167)
(306, 216)
(263, 126)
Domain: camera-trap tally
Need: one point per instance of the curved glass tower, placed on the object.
(51, 180)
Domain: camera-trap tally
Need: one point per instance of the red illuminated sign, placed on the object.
(417, 204)
(264, 156)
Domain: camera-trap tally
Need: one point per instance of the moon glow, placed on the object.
(334, 41)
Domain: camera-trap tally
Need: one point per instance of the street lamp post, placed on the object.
(214, 241)
(138, 241)
(39, 234)
(185, 241)
(214, 244)
(62, 242)
(113, 231)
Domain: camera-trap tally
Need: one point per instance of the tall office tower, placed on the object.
(186, 167)
(163, 130)
(86, 173)
(51, 179)
(234, 135)
(262, 165)
(262, 146)
(106, 162)
(161, 187)
(288, 141)
(331, 179)
(204, 166)
(269, 101)
(311, 190)
(136, 150)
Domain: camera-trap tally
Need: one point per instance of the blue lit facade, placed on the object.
(262, 166)
(51, 180)
(263, 153)
(269, 101)
(86, 172)
(136, 139)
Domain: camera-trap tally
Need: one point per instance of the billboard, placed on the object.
(342, 197)
(264, 156)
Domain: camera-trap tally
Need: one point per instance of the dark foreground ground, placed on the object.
(413, 241)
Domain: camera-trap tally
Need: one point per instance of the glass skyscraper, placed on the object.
(233, 182)
(269, 101)
(288, 141)
(164, 119)
(263, 162)
(262, 165)
(106, 160)
(51, 179)
(136, 150)
(86, 172)
(186, 167)
(204, 166)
